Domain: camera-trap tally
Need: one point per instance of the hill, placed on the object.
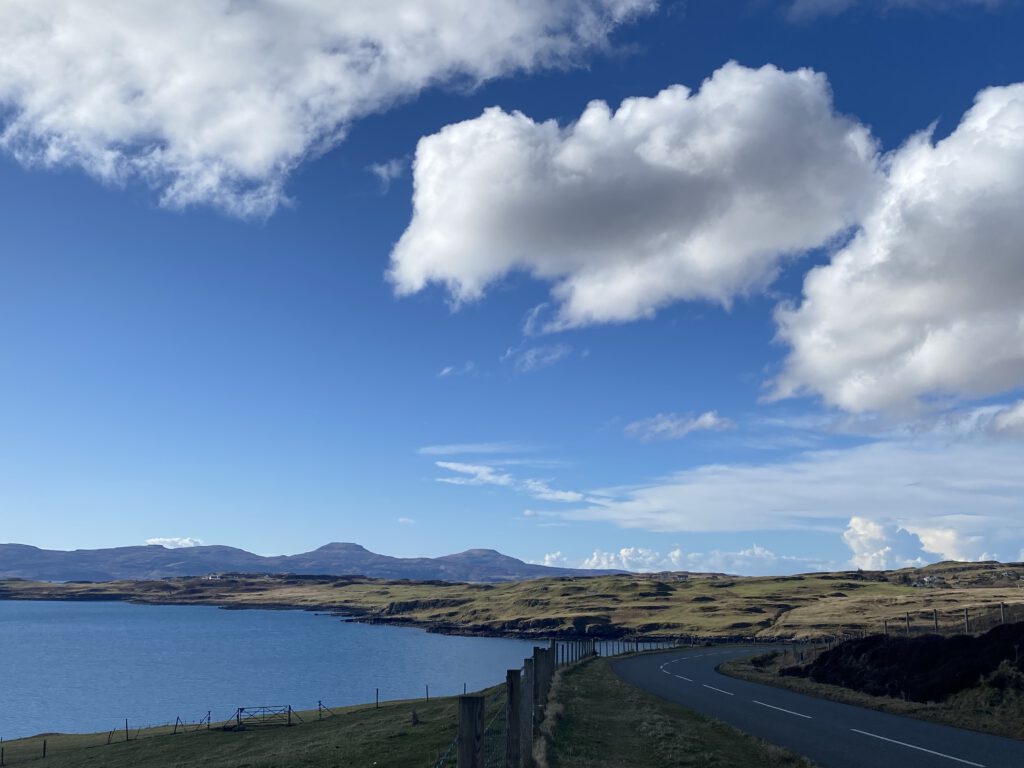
(933, 598)
(20, 561)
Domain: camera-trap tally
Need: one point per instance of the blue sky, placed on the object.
(276, 277)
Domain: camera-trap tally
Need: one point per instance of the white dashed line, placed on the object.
(787, 711)
(684, 678)
(717, 689)
(919, 749)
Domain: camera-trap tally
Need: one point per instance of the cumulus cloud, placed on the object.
(752, 561)
(925, 301)
(684, 195)
(216, 102)
(808, 9)
(406, 520)
(174, 542)
(669, 426)
(627, 559)
(961, 499)
(879, 547)
(554, 559)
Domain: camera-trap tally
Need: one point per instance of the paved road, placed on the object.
(833, 735)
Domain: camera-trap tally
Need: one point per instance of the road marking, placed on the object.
(684, 678)
(920, 749)
(787, 711)
(725, 692)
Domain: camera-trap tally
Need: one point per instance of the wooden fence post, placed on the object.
(935, 618)
(908, 623)
(1002, 613)
(967, 623)
(513, 706)
(526, 715)
(471, 732)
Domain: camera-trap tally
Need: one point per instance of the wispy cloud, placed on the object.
(451, 371)
(467, 449)
(669, 426)
(961, 499)
(486, 474)
(533, 359)
(388, 171)
(406, 520)
(473, 474)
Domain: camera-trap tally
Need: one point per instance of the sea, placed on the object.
(74, 667)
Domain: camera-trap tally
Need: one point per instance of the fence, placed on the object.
(971, 620)
(503, 737)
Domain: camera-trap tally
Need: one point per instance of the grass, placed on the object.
(355, 736)
(602, 722)
(807, 606)
(988, 707)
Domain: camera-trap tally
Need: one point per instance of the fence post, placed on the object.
(44, 747)
(539, 657)
(935, 619)
(1002, 613)
(908, 623)
(526, 715)
(376, 698)
(885, 626)
(967, 623)
(471, 732)
(126, 729)
(513, 706)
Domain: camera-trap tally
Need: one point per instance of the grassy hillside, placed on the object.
(810, 605)
(356, 736)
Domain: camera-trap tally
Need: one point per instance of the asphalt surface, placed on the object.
(831, 734)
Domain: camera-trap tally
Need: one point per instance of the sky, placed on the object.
(730, 285)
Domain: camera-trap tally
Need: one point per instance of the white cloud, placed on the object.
(473, 474)
(486, 474)
(960, 499)
(406, 521)
(925, 302)
(880, 547)
(216, 102)
(174, 542)
(753, 561)
(387, 171)
(555, 559)
(627, 559)
(450, 371)
(536, 358)
(669, 426)
(808, 9)
(680, 196)
(463, 449)
(1010, 420)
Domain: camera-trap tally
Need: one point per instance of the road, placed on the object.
(831, 734)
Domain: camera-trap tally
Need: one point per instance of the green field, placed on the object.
(354, 736)
(656, 605)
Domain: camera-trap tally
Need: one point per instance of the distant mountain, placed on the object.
(337, 559)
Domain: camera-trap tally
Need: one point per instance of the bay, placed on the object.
(84, 667)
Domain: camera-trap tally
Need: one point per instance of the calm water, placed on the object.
(87, 666)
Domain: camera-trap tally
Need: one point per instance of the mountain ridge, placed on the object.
(155, 561)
